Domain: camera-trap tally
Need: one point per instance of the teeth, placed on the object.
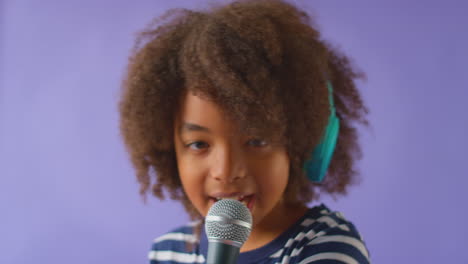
(239, 198)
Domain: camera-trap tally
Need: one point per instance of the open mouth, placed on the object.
(247, 200)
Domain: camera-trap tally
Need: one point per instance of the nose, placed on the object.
(228, 165)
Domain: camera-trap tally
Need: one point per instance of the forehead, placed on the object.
(197, 113)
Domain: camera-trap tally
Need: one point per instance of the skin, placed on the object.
(215, 158)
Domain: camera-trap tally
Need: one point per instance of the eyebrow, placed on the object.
(187, 127)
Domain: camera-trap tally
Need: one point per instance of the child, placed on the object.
(245, 101)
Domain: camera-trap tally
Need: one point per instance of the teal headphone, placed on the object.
(317, 164)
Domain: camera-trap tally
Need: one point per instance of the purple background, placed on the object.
(67, 189)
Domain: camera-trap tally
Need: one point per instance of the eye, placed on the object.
(257, 142)
(197, 145)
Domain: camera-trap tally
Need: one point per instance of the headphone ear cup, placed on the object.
(329, 144)
(316, 167)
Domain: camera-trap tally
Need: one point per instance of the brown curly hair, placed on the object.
(266, 65)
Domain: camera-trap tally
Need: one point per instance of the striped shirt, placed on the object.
(320, 236)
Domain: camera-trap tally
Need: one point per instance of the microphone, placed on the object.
(228, 225)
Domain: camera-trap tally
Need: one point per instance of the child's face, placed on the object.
(216, 160)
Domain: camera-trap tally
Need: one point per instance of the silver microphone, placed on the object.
(228, 225)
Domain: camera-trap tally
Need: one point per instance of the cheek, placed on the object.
(273, 177)
(191, 176)
(187, 169)
(278, 180)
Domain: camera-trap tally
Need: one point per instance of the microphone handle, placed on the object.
(222, 253)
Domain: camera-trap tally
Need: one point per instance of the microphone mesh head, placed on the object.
(228, 209)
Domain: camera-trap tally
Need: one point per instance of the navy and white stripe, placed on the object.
(320, 236)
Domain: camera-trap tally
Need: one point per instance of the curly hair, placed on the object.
(265, 64)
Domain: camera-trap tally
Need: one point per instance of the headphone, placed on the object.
(317, 164)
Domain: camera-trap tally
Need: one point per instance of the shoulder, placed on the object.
(326, 237)
(176, 246)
